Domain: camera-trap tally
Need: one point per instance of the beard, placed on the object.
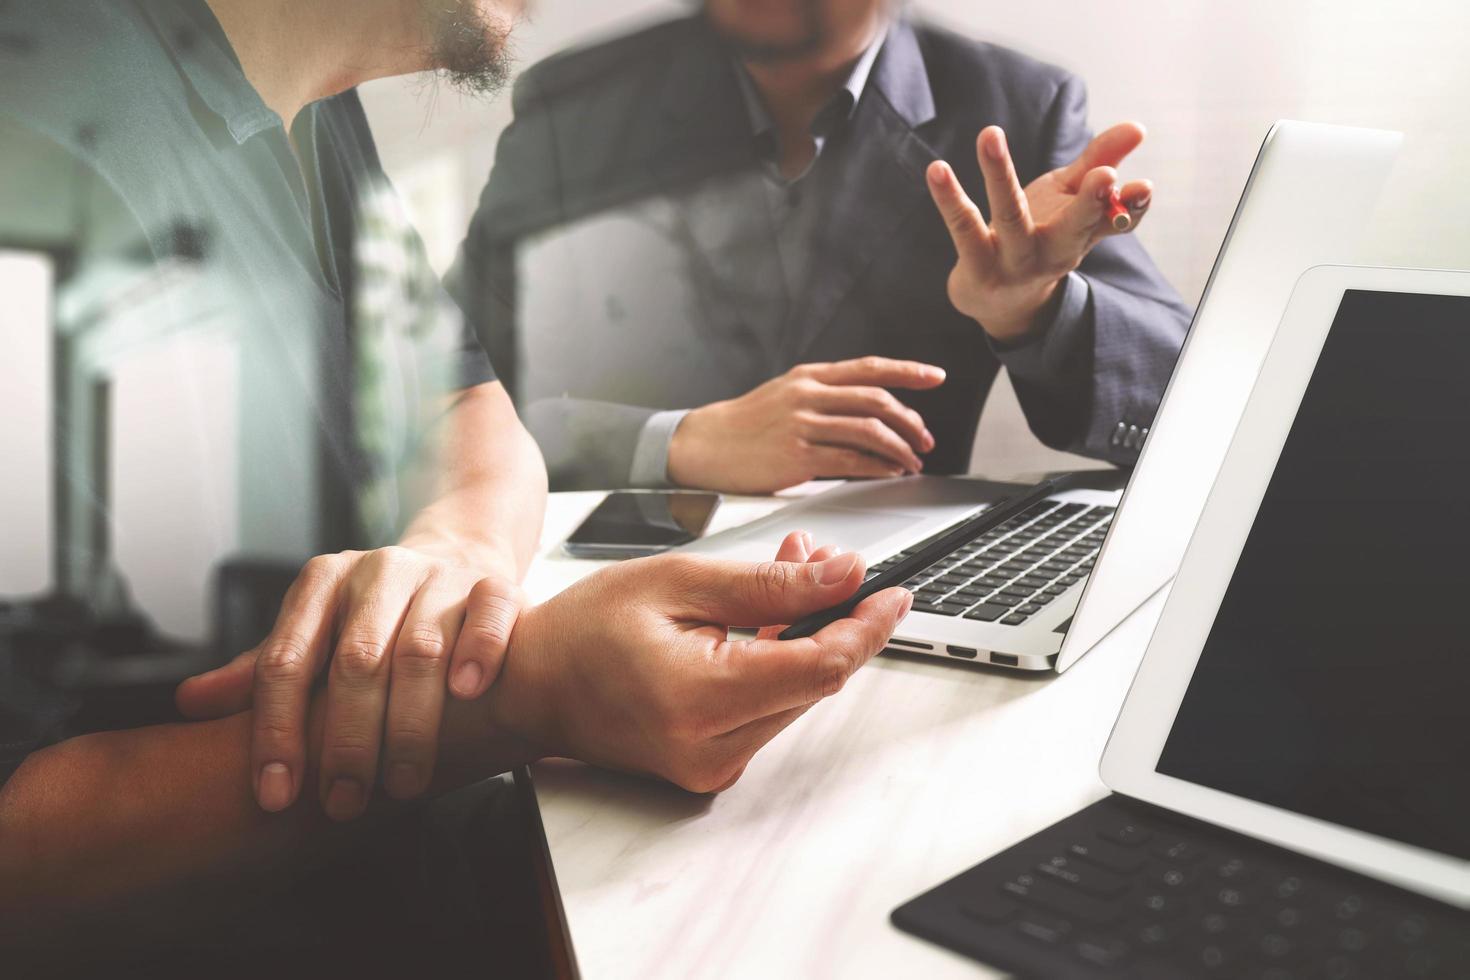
(471, 49)
(812, 37)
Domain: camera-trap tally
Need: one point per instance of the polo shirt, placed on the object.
(140, 159)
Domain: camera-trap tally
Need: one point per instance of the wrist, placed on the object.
(517, 706)
(1015, 322)
(686, 466)
(487, 557)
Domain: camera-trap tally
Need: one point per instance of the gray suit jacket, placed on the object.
(612, 141)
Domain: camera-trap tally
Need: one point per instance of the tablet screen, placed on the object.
(1335, 682)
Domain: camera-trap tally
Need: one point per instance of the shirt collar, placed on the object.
(842, 105)
(197, 43)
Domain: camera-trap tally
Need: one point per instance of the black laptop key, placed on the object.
(987, 612)
(1016, 619)
(1005, 599)
(1129, 834)
(1065, 901)
(1104, 855)
(1156, 903)
(1103, 951)
(1042, 928)
(1230, 897)
(1172, 878)
(1236, 870)
(1176, 851)
(1090, 879)
(1158, 935)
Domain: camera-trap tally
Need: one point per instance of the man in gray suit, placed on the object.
(706, 255)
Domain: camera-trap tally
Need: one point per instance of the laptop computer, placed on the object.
(1040, 591)
(1291, 766)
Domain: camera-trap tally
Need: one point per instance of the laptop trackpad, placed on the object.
(853, 530)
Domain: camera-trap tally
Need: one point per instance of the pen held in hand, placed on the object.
(1118, 215)
(926, 554)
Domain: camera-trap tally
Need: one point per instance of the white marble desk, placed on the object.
(916, 771)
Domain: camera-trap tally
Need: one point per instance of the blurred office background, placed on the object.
(1207, 78)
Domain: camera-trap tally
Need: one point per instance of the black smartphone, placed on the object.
(634, 523)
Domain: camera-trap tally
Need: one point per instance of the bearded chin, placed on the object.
(470, 51)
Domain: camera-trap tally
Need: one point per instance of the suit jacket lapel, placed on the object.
(704, 132)
(877, 180)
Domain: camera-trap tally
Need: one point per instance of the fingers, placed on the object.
(1085, 218)
(880, 404)
(795, 548)
(745, 741)
(764, 677)
(219, 692)
(357, 691)
(741, 594)
(1107, 149)
(883, 371)
(966, 226)
(416, 698)
(1010, 215)
(835, 462)
(867, 434)
(490, 617)
(1137, 195)
(288, 661)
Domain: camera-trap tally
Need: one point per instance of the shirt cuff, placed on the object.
(1045, 354)
(651, 455)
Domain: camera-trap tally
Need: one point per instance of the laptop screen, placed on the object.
(1335, 679)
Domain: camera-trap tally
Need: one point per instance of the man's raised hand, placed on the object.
(1008, 269)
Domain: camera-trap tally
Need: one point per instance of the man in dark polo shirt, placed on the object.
(200, 179)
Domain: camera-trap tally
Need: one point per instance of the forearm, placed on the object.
(118, 814)
(491, 489)
(589, 444)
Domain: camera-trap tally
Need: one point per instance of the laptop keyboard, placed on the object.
(1013, 571)
(1122, 889)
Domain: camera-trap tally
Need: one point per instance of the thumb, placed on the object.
(740, 594)
(220, 692)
